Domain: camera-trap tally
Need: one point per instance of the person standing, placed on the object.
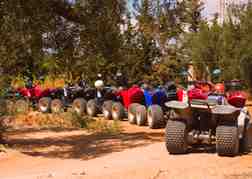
(191, 75)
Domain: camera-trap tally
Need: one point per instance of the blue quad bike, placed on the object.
(152, 113)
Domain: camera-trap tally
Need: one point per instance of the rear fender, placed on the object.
(181, 109)
(157, 96)
(225, 110)
(226, 114)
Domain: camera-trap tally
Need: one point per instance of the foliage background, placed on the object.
(66, 40)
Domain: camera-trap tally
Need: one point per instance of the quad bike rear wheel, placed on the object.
(117, 111)
(155, 117)
(132, 113)
(176, 134)
(44, 105)
(57, 106)
(107, 109)
(227, 140)
(21, 106)
(79, 106)
(141, 115)
(92, 109)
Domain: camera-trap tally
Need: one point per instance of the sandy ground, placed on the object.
(137, 152)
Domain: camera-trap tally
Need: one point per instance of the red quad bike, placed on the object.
(32, 95)
(208, 120)
(127, 101)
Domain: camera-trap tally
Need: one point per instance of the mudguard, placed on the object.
(181, 109)
(225, 110)
(236, 98)
(132, 95)
(226, 114)
(157, 96)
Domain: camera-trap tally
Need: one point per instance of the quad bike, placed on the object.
(225, 122)
(30, 95)
(125, 104)
(74, 96)
(102, 100)
(155, 103)
(133, 102)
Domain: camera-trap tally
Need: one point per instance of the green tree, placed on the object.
(203, 48)
(36, 34)
(192, 14)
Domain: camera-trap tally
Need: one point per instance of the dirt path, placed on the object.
(136, 153)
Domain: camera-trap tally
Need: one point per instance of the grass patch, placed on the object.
(103, 126)
(66, 120)
(98, 125)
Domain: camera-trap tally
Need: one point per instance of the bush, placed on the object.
(66, 120)
(76, 120)
(104, 126)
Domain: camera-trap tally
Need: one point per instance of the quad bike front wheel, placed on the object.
(132, 113)
(155, 117)
(176, 135)
(21, 106)
(44, 105)
(107, 109)
(92, 109)
(57, 106)
(117, 111)
(79, 106)
(141, 115)
(227, 140)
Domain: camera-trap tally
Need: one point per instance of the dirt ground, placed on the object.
(135, 153)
